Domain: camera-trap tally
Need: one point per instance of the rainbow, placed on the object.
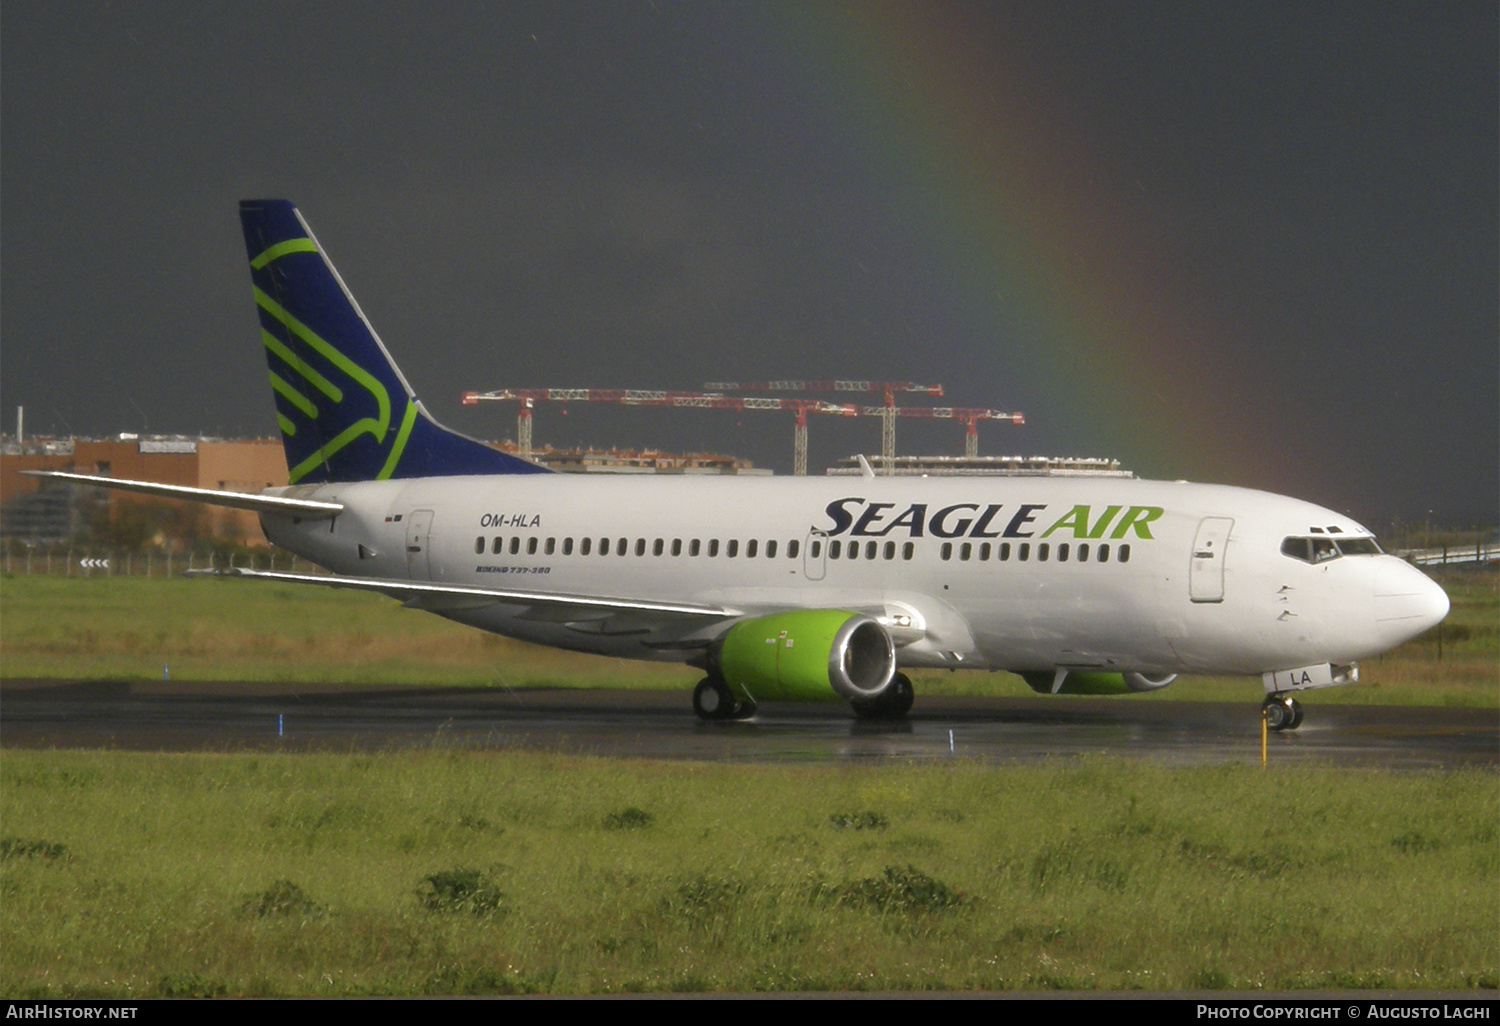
(1060, 276)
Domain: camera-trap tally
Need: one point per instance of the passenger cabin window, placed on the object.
(793, 546)
(640, 546)
(750, 548)
(770, 550)
(907, 550)
(568, 546)
(693, 547)
(1124, 554)
(676, 546)
(515, 546)
(835, 549)
(732, 549)
(658, 547)
(478, 546)
(621, 546)
(585, 546)
(1004, 552)
(713, 547)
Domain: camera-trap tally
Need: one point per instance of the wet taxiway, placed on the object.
(186, 716)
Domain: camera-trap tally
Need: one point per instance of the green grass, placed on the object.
(120, 628)
(130, 875)
(129, 628)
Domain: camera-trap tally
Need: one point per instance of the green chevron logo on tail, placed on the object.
(334, 383)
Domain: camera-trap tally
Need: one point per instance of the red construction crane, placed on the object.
(715, 400)
(888, 387)
(528, 397)
(971, 419)
(887, 413)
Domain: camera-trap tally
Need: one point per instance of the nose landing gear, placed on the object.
(1282, 712)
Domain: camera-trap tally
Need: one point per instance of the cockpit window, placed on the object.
(1320, 549)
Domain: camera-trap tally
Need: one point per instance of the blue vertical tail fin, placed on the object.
(345, 410)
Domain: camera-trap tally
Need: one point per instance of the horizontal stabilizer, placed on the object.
(234, 500)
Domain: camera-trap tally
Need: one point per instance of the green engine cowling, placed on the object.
(1081, 682)
(808, 655)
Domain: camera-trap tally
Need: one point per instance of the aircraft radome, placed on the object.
(794, 588)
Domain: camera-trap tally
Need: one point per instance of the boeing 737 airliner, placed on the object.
(794, 588)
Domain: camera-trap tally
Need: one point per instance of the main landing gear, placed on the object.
(712, 700)
(1282, 711)
(893, 703)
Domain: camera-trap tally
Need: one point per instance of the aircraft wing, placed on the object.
(591, 613)
(209, 496)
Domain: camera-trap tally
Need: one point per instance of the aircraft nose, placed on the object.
(1407, 602)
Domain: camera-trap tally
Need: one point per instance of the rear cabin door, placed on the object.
(418, 545)
(1206, 575)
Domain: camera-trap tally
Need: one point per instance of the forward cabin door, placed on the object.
(1206, 575)
(419, 545)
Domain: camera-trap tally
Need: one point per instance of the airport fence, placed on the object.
(1426, 545)
(1479, 554)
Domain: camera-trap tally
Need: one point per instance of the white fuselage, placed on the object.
(1146, 576)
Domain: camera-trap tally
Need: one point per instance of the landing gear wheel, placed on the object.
(712, 699)
(891, 704)
(1296, 714)
(1280, 712)
(744, 710)
(902, 695)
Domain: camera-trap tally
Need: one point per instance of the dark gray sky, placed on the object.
(1255, 243)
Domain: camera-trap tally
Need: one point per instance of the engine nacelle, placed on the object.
(1084, 682)
(808, 655)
